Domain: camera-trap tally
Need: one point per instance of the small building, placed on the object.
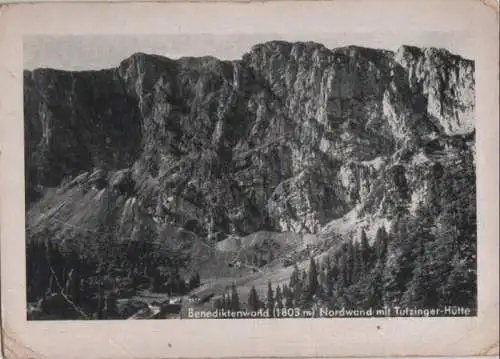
(175, 300)
(194, 299)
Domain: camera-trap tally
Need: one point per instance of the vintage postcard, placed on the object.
(255, 180)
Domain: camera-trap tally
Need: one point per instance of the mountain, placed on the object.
(291, 150)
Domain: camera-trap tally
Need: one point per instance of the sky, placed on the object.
(106, 51)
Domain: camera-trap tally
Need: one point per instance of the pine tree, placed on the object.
(253, 299)
(332, 276)
(194, 281)
(458, 228)
(287, 293)
(381, 244)
(375, 290)
(284, 290)
(295, 285)
(304, 280)
(459, 289)
(313, 284)
(279, 297)
(218, 303)
(235, 300)
(358, 270)
(350, 263)
(418, 292)
(100, 302)
(294, 277)
(366, 250)
(344, 273)
(302, 289)
(398, 275)
(323, 276)
(289, 300)
(270, 299)
(110, 307)
(224, 301)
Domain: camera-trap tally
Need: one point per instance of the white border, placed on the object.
(254, 338)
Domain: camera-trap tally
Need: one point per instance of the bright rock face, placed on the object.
(290, 138)
(447, 84)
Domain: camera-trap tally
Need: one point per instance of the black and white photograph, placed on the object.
(280, 179)
(296, 180)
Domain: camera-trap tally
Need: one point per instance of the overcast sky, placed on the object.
(97, 52)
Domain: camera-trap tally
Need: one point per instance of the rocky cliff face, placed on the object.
(293, 137)
(446, 83)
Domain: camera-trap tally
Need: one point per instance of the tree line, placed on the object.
(427, 259)
(66, 280)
